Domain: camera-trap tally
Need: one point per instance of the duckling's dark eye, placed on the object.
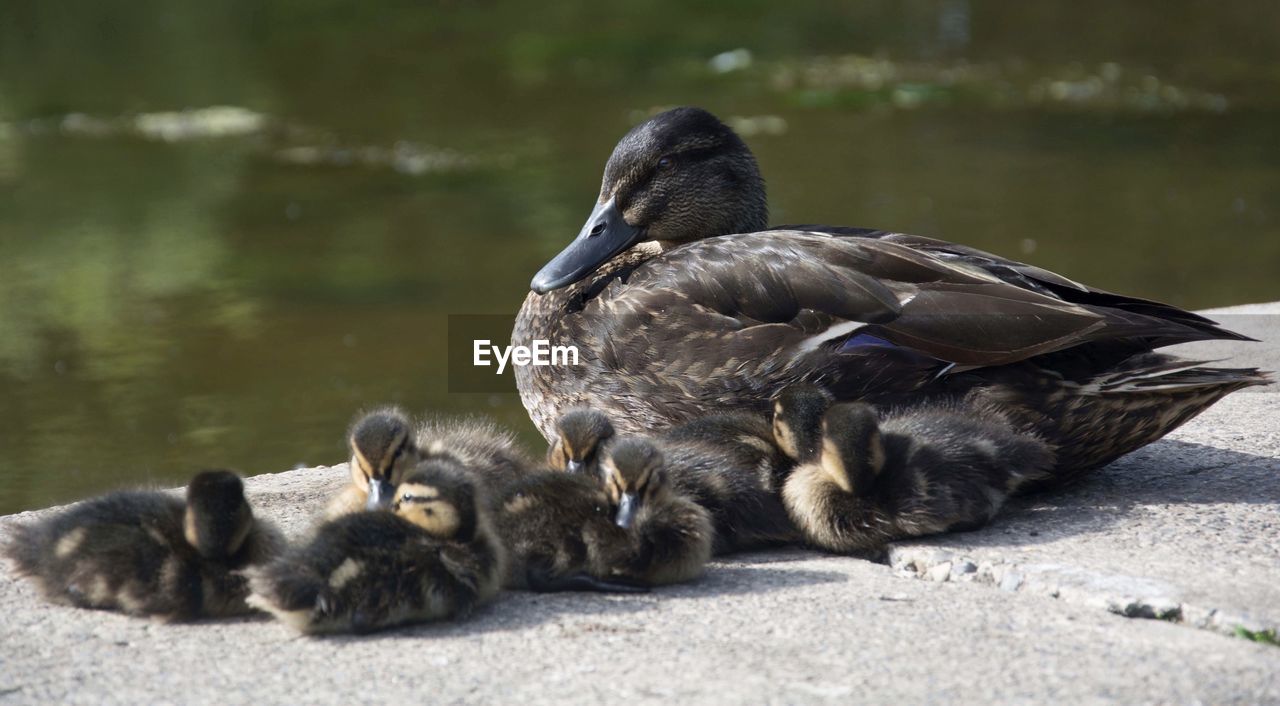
(664, 162)
(407, 498)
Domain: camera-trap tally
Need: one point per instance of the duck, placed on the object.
(382, 446)
(728, 463)
(743, 442)
(559, 531)
(797, 420)
(681, 300)
(150, 553)
(386, 442)
(875, 477)
(671, 535)
(581, 436)
(490, 453)
(432, 554)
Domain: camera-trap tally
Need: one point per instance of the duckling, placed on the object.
(382, 447)
(797, 420)
(745, 440)
(581, 435)
(433, 556)
(924, 470)
(148, 553)
(489, 453)
(727, 463)
(672, 534)
(730, 465)
(560, 534)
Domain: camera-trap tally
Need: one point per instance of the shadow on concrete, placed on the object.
(572, 611)
(742, 578)
(1165, 473)
(1174, 472)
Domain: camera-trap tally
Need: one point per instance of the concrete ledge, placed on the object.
(1183, 531)
(1044, 605)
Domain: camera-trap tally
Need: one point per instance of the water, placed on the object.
(229, 288)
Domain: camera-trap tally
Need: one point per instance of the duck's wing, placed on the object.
(1032, 278)
(776, 297)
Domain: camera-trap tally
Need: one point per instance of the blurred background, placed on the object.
(226, 227)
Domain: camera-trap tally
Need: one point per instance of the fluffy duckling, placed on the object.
(488, 452)
(797, 420)
(919, 471)
(434, 556)
(150, 553)
(582, 435)
(559, 532)
(672, 535)
(730, 465)
(745, 440)
(382, 447)
(727, 463)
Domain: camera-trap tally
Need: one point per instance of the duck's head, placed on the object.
(580, 436)
(852, 448)
(679, 176)
(381, 447)
(218, 518)
(439, 496)
(797, 420)
(633, 477)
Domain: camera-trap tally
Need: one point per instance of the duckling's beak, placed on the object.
(605, 234)
(381, 494)
(573, 466)
(627, 507)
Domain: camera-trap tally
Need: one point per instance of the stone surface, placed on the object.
(1183, 537)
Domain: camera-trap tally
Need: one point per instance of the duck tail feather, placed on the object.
(1161, 331)
(1203, 327)
(1183, 375)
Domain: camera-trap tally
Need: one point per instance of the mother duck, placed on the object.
(681, 302)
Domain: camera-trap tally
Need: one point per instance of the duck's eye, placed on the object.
(407, 498)
(665, 162)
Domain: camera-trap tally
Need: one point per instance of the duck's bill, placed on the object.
(605, 234)
(381, 494)
(628, 505)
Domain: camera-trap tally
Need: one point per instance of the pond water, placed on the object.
(229, 285)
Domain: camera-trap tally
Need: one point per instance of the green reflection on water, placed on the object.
(234, 301)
